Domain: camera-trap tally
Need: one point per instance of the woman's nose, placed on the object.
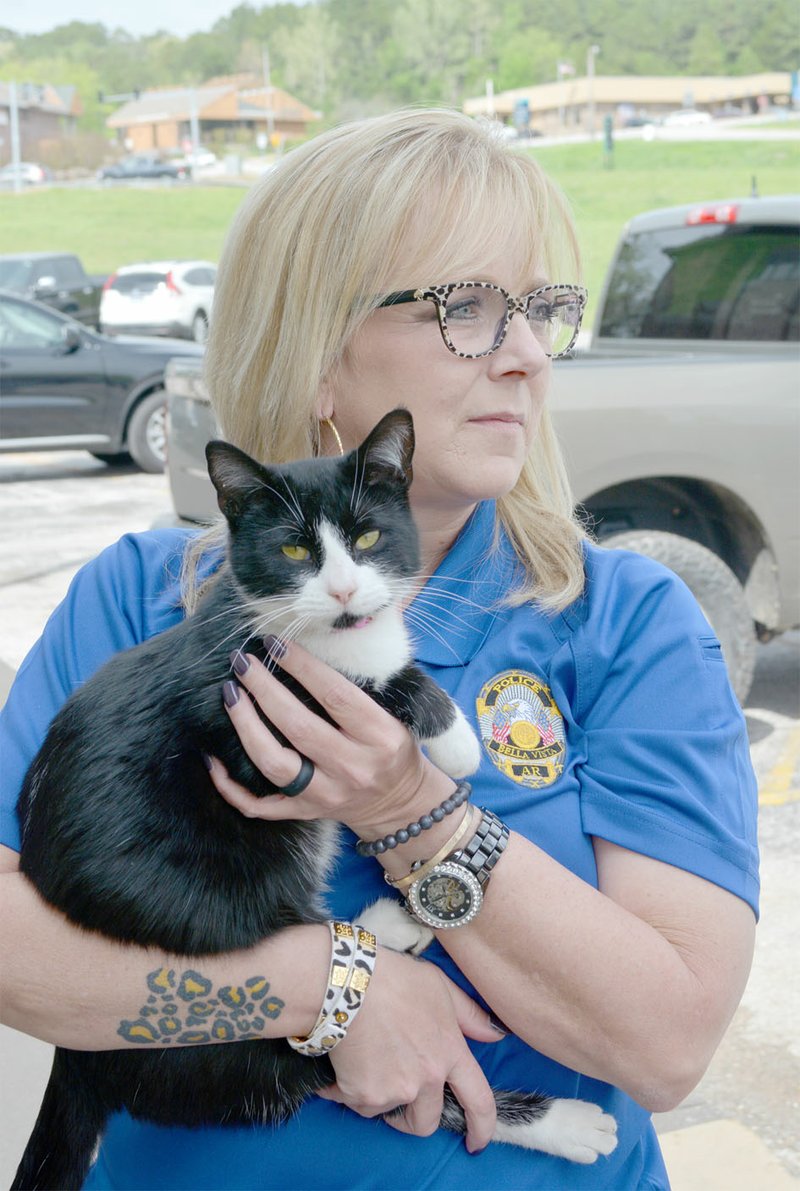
(521, 350)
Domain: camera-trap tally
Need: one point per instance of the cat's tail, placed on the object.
(60, 1149)
(572, 1129)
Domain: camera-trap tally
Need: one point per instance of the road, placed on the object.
(739, 1128)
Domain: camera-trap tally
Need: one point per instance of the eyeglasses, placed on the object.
(474, 316)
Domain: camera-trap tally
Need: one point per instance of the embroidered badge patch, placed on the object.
(522, 729)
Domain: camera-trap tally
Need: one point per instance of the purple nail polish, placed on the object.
(207, 760)
(274, 646)
(239, 663)
(230, 693)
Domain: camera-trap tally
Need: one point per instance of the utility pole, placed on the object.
(591, 54)
(269, 111)
(13, 115)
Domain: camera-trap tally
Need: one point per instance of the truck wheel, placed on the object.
(147, 432)
(716, 589)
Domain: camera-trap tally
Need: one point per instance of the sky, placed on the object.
(143, 16)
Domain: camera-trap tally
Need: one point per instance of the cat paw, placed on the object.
(457, 751)
(572, 1129)
(394, 927)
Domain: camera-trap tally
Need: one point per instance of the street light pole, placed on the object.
(591, 54)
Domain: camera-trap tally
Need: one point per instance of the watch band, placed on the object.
(485, 848)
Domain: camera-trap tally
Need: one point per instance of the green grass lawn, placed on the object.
(114, 226)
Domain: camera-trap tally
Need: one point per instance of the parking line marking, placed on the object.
(781, 784)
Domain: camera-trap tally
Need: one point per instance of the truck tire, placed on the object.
(147, 432)
(716, 589)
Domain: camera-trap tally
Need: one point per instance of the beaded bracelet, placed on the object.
(353, 954)
(424, 823)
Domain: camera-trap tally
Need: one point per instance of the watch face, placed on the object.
(450, 895)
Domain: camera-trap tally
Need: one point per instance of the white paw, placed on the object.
(457, 751)
(394, 927)
(572, 1129)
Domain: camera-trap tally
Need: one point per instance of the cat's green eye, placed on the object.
(368, 539)
(296, 553)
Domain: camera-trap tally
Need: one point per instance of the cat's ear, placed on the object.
(234, 475)
(388, 449)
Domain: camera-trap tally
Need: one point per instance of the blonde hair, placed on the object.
(325, 234)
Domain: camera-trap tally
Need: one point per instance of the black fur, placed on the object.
(124, 832)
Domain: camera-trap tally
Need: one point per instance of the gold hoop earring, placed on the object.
(329, 423)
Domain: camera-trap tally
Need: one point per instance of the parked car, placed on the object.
(56, 278)
(159, 298)
(680, 424)
(686, 118)
(64, 387)
(29, 173)
(144, 165)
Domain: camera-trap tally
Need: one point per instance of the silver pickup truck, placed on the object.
(680, 421)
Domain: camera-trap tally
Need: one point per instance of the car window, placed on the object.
(25, 326)
(15, 275)
(727, 282)
(137, 283)
(199, 276)
(63, 269)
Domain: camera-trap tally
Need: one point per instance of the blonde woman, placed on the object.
(603, 932)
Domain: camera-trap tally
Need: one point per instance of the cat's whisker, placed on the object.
(439, 637)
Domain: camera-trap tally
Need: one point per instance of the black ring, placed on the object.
(300, 782)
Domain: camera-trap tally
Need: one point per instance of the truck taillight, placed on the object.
(107, 284)
(713, 213)
(169, 282)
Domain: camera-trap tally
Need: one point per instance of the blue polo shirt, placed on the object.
(613, 718)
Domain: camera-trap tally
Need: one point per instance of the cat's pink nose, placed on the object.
(343, 594)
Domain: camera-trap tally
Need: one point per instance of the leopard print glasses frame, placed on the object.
(468, 318)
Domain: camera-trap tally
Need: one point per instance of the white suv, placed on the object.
(159, 298)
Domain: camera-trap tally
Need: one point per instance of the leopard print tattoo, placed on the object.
(186, 1010)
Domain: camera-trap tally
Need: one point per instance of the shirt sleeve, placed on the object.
(122, 597)
(667, 770)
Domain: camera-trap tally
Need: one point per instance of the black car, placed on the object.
(145, 165)
(65, 387)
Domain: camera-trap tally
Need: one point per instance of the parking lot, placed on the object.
(61, 509)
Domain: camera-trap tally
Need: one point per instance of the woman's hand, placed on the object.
(406, 1043)
(369, 770)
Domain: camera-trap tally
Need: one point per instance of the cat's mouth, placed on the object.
(348, 621)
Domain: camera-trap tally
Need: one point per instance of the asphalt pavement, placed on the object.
(740, 1129)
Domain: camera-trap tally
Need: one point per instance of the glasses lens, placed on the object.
(475, 317)
(554, 318)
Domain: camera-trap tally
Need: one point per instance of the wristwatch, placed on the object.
(451, 893)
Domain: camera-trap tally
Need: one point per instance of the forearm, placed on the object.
(589, 983)
(78, 989)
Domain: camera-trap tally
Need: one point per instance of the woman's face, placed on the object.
(474, 419)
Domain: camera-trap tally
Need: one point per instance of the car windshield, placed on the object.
(139, 283)
(15, 275)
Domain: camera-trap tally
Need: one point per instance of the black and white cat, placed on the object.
(124, 832)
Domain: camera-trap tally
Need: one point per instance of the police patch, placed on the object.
(522, 729)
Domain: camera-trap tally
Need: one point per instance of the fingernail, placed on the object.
(209, 764)
(474, 1152)
(239, 663)
(274, 646)
(498, 1025)
(230, 693)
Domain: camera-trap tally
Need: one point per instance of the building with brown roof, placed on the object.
(164, 118)
(45, 113)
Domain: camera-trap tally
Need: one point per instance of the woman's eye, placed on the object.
(461, 311)
(367, 540)
(296, 553)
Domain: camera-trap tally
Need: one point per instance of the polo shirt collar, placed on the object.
(453, 614)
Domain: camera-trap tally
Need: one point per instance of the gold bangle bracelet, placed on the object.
(422, 867)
